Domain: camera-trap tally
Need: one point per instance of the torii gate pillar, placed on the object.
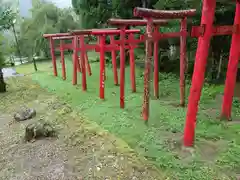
(208, 12)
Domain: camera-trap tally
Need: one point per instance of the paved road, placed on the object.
(10, 72)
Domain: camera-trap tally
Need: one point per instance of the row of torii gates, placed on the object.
(153, 20)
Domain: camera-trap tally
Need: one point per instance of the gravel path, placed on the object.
(81, 151)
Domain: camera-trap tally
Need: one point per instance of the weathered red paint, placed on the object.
(148, 59)
(232, 68)
(70, 46)
(122, 67)
(183, 50)
(135, 22)
(81, 32)
(75, 60)
(133, 41)
(62, 60)
(56, 35)
(216, 31)
(88, 65)
(102, 66)
(183, 14)
(152, 13)
(89, 47)
(208, 11)
(83, 63)
(53, 57)
(169, 35)
(115, 46)
(61, 37)
(113, 31)
(114, 62)
(132, 64)
(156, 65)
(79, 68)
(65, 46)
(102, 48)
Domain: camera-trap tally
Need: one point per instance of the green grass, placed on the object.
(217, 149)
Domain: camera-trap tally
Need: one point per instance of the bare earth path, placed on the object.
(82, 151)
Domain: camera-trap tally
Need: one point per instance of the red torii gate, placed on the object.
(149, 14)
(158, 36)
(62, 47)
(102, 48)
(204, 33)
(123, 23)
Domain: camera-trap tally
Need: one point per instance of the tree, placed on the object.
(220, 45)
(94, 13)
(6, 19)
(46, 18)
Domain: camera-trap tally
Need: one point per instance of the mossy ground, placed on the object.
(217, 145)
(82, 150)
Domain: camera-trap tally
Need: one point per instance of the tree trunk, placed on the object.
(144, 3)
(34, 64)
(2, 83)
(215, 56)
(220, 66)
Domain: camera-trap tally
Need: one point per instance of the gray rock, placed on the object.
(39, 129)
(25, 114)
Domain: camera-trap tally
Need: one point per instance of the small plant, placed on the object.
(236, 102)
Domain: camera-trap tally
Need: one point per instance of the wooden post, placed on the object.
(62, 60)
(122, 67)
(54, 63)
(114, 62)
(75, 60)
(148, 59)
(83, 64)
(208, 11)
(88, 67)
(132, 63)
(156, 65)
(232, 67)
(183, 43)
(102, 66)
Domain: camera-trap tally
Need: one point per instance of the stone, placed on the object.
(39, 129)
(25, 114)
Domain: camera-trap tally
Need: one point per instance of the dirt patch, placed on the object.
(207, 150)
(233, 121)
(81, 151)
(173, 142)
(177, 105)
(213, 112)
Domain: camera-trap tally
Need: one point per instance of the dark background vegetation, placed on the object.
(47, 18)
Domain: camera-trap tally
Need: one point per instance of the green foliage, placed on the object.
(1, 60)
(236, 103)
(95, 13)
(46, 18)
(6, 16)
(6, 21)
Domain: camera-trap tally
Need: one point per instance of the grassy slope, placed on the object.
(217, 154)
